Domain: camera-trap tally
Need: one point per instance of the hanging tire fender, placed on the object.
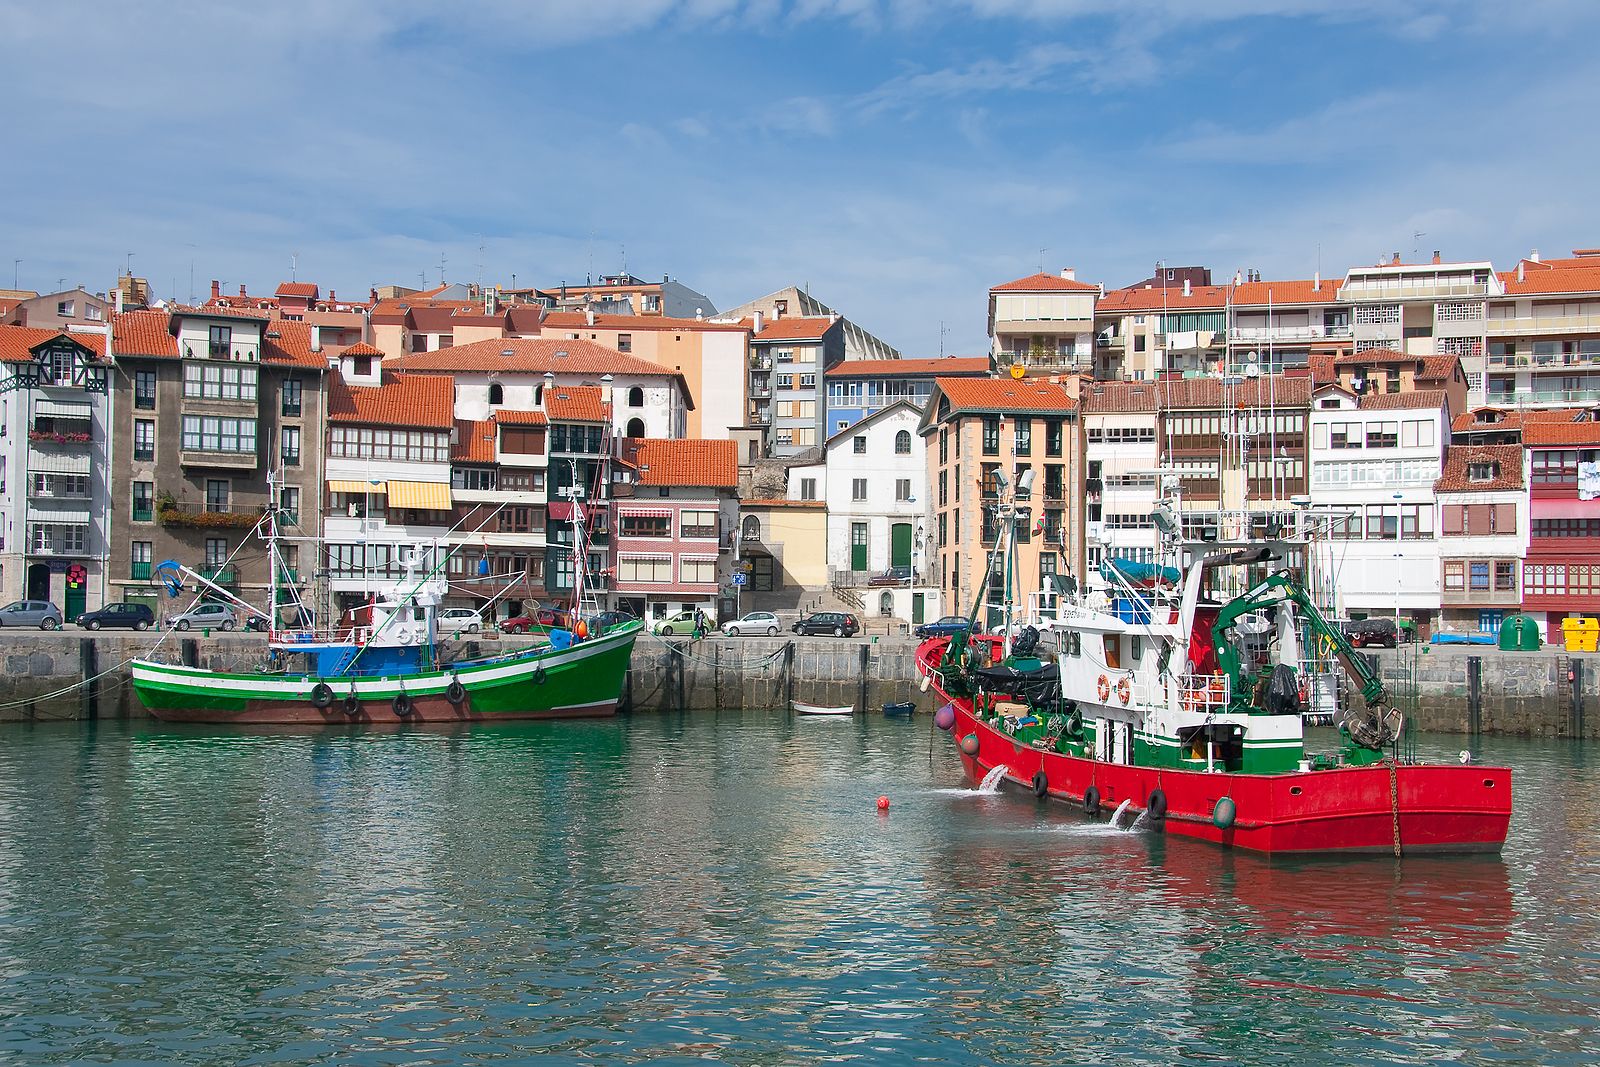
(1156, 805)
(322, 696)
(1091, 800)
(1041, 784)
(352, 704)
(401, 704)
(455, 692)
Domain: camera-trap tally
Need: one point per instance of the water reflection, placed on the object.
(722, 885)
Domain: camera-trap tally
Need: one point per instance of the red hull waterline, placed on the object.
(1421, 808)
(372, 712)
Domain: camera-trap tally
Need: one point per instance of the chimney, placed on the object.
(833, 317)
(756, 319)
(1534, 255)
(331, 297)
(241, 289)
(216, 288)
(1186, 290)
(605, 389)
(372, 294)
(1069, 273)
(1522, 270)
(1238, 278)
(1316, 282)
(316, 338)
(1396, 260)
(117, 297)
(588, 315)
(1436, 256)
(665, 279)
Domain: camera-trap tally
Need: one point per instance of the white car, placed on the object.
(755, 622)
(452, 621)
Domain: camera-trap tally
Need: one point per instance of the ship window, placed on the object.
(1137, 649)
(1075, 643)
(1113, 650)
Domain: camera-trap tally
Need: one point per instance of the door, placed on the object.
(38, 582)
(900, 545)
(858, 546)
(76, 600)
(762, 574)
(916, 608)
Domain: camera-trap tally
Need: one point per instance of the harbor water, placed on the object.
(721, 887)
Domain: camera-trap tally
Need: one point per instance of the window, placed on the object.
(144, 439)
(497, 393)
(293, 390)
(365, 442)
(624, 342)
(221, 341)
(289, 505)
(991, 435)
(645, 568)
(217, 493)
(808, 489)
(1566, 528)
(1505, 575)
(1555, 467)
(472, 478)
(211, 382)
(635, 396)
(697, 523)
(209, 433)
(1486, 471)
(902, 489)
(902, 443)
(1052, 437)
(291, 446)
(785, 381)
(144, 389)
(64, 308)
(1478, 576)
(697, 570)
(943, 529)
(1454, 580)
(644, 525)
(860, 444)
(1344, 435)
(944, 490)
(144, 501)
(944, 445)
(1022, 436)
(141, 555)
(1383, 434)
(216, 552)
(361, 366)
(858, 489)
(808, 381)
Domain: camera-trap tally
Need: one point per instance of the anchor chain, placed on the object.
(1394, 802)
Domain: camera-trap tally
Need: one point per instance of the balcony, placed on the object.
(1488, 598)
(233, 352)
(147, 513)
(57, 432)
(1545, 361)
(194, 457)
(1363, 292)
(58, 549)
(1521, 397)
(224, 576)
(58, 493)
(1533, 324)
(760, 362)
(1260, 335)
(760, 392)
(170, 513)
(140, 571)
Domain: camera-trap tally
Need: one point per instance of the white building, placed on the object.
(1484, 524)
(1374, 462)
(1120, 454)
(55, 467)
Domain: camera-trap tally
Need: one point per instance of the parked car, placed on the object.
(837, 623)
(607, 619)
(131, 616)
(892, 576)
(209, 615)
(40, 613)
(452, 621)
(948, 626)
(684, 624)
(543, 618)
(1363, 633)
(754, 622)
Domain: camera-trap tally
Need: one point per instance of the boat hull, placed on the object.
(583, 681)
(1379, 808)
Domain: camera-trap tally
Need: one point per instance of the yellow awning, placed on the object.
(424, 496)
(379, 488)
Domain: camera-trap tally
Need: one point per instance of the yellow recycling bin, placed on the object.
(1589, 635)
(1572, 634)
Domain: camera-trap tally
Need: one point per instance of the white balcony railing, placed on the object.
(1276, 334)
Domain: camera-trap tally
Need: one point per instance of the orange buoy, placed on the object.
(883, 803)
(582, 629)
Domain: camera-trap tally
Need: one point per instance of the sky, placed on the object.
(897, 157)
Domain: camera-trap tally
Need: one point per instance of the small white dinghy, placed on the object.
(802, 708)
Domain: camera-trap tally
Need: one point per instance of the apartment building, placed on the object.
(71, 309)
(56, 457)
(498, 468)
(976, 428)
(1483, 535)
(676, 512)
(1561, 576)
(1383, 370)
(788, 359)
(1122, 453)
(623, 294)
(1544, 337)
(795, 302)
(1044, 322)
(859, 388)
(209, 402)
(1375, 460)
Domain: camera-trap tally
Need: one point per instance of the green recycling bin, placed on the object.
(1519, 633)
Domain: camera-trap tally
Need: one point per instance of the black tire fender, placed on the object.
(401, 704)
(1156, 806)
(322, 695)
(455, 692)
(352, 704)
(1091, 801)
(1041, 784)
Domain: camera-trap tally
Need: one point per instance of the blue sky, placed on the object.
(899, 156)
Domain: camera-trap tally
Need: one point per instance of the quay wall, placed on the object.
(1462, 690)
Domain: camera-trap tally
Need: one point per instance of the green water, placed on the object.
(720, 887)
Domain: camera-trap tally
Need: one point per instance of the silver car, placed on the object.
(754, 622)
(38, 613)
(208, 616)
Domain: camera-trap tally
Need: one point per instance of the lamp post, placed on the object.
(1399, 564)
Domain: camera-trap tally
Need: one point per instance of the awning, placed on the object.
(560, 510)
(644, 513)
(1566, 509)
(423, 496)
(54, 462)
(357, 488)
(57, 511)
(62, 409)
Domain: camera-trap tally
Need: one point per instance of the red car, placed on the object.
(544, 618)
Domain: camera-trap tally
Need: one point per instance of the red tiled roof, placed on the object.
(1457, 458)
(577, 320)
(1374, 355)
(531, 356)
(420, 400)
(521, 418)
(289, 342)
(795, 329)
(1322, 367)
(1439, 368)
(1005, 394)
(300, 289)
(1153, 299)
(361, 348)
(474, 441)
(216, 311)
(18, 342)
(1277, 389)
(1039, 283)
(909, 368)
(1420, 398)
(1562, 279)
(1302, 291)
(143, 333)
(1121, 397)
(1561, 434)
(690, 462)
(575, 403)
(1511, 420)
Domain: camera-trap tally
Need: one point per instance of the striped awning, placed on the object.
(424, 496)
(376, 488)
(644, 513)
(59, 511)
(66, 462)
(62, 409)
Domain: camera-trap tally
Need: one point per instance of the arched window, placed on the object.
(635, 428)
(886, 604)
(538, 394)
(636, 397)
(902, 443)
(752, 528)
(497, 393)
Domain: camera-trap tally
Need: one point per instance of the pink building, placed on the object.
(675, 508)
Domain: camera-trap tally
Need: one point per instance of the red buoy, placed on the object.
(883, 803)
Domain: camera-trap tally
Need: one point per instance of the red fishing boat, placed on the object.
(1188, 706)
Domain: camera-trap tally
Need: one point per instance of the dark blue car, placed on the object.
(945, 627)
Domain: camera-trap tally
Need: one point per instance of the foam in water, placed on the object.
(991, 781)
(1137, 822)
(1116, 816)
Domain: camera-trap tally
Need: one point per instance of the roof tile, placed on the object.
(689, 462)
(144, 333)
(1041, 283)
(418, 400)
(909, 368)
(1005, 394)
(575, 403)
(795, 329)
(1458, 460)
(18, 342)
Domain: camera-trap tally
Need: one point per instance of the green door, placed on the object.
(916, 609)
(900, 545)
(858, 546)
(76, 600)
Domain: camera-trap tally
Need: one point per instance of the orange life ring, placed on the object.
(1124, 691)
(1103, 687)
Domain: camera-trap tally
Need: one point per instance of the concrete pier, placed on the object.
(1463, 689)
